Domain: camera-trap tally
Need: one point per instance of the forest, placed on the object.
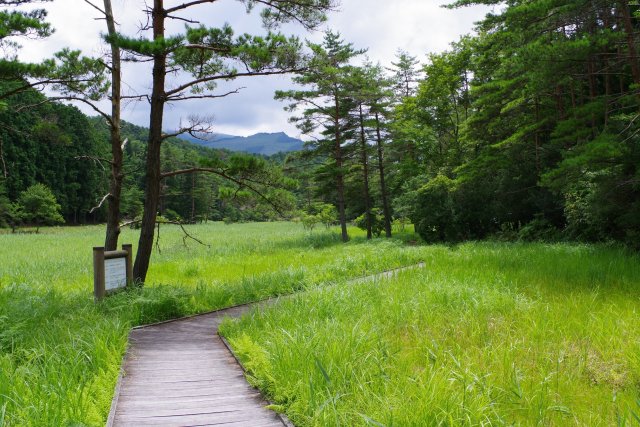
(526, 129)
(66, 150)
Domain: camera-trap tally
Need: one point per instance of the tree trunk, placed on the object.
(4, 165)
(193, 198)
(115, 183)
(559, 103)
(339, 174)
(365, 176)
(631, 46)
(537, 136)
(383, 186)
(152, 174)
(606, 14)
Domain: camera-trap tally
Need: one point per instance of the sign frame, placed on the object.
(99, 270)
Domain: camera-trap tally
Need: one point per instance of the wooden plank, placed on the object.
(172, 423)
(180, 389)
(230, 410)
(200, 417)
(180, 373)
(220, 402)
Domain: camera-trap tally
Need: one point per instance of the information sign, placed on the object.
(111, 270)
(115, 273)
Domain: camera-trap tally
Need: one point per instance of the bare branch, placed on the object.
(104, 199)
(228, 77)
(98, 160)
(129, 223)
(93, 106)
(137, 97)
(95, 7)
(178, 18)
(158, 237)
(223, 174)
(186, 6)
(186, 97)
(186, 236)
(196, 125)
(67, 98)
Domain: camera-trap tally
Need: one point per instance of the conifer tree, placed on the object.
(206, 55)
(327, 103)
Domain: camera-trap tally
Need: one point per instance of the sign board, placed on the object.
(112, 270)
(115, 273)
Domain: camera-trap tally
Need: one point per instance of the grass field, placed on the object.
(486, 334)
(60, 353)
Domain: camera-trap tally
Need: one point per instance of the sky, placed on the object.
(419, 27)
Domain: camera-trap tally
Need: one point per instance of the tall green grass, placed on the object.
(486, 334)
(60, 352)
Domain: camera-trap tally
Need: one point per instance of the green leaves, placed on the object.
(309, 13)
(38, 205)
(79, 75)
(146, 47)
(25, 24)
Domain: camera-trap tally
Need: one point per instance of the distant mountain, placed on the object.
(260, 143)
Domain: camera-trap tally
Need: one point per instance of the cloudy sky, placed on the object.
(382, 26)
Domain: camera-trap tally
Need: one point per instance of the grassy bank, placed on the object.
(60, 353)
(486, 334)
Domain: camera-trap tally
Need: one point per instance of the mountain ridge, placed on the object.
(265, 143)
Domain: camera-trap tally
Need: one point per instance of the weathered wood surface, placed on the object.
(181, 374)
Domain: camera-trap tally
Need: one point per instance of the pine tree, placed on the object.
(327, 104)
(207, 55)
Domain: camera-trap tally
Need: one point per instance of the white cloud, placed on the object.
(382, 26)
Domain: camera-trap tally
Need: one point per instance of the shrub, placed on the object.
(377, 222)
(39, 206)
(538, 229)
(435, 213)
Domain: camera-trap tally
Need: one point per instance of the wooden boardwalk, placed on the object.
(180, 373)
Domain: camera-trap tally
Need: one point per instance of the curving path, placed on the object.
(180, 373)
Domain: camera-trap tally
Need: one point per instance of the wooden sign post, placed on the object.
(112, 270)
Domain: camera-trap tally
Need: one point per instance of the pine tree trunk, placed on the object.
(4, 165)
(339, 174)
(365, 176)
(631, 46)
(383, 187)
(606, 15)
(115, 183)
(193, 198)
(152, 174)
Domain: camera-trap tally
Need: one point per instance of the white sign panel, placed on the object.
(115, 273)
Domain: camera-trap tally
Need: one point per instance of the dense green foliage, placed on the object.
(44, 143)
(60, 353)
(487, 334)
(58, 146)
(533, 121)
(527, 129)
(37, 205)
